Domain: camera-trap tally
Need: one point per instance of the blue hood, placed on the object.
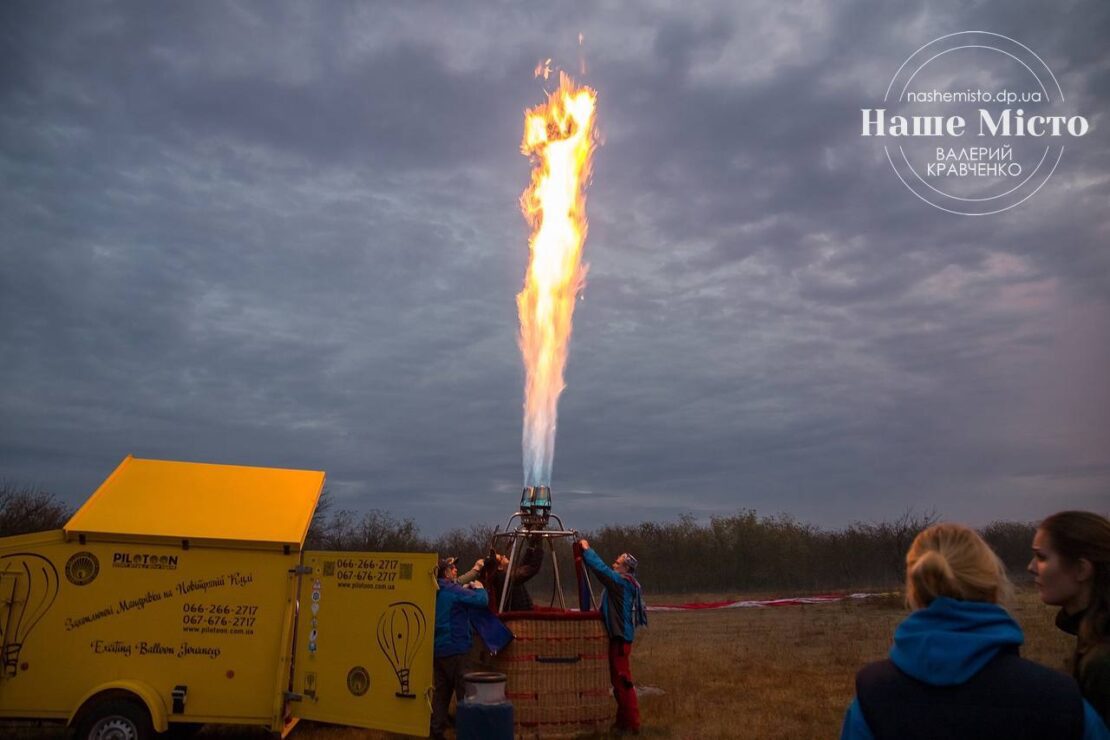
(950, 641)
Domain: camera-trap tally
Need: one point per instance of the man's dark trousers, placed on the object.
(448, 680)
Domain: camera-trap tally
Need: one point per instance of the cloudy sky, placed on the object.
(287, 234)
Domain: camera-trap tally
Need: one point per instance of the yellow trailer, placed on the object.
(180, 594)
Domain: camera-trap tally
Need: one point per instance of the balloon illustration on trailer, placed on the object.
(28, 587)
(401, 630)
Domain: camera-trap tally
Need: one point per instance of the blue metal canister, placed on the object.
(484, 712)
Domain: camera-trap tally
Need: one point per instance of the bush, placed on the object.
(746, 552)
(25, 508)
(739, 552)
(374, 531)
(466, 544)
(1013, 541)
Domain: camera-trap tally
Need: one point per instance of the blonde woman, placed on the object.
(954, 670)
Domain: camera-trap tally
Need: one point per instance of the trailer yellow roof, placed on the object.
(184, 500)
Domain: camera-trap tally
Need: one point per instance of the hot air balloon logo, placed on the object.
(81, 568)
(31, 585)
(401, 631)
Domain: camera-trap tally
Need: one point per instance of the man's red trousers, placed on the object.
(620, 673)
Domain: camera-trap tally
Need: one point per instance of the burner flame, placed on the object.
(559, 138)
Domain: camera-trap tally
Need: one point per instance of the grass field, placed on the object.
(784, 672)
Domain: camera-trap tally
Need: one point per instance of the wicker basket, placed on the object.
(558, 673)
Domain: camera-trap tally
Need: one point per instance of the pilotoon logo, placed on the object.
(149, 561)
(973, 123)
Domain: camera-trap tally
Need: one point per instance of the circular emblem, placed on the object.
(974, 123)
(358, 681)
(82, 568)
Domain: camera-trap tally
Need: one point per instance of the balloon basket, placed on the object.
(557, 671)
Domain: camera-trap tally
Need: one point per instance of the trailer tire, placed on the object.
(116, 719)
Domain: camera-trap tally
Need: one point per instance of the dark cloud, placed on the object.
(288, 235)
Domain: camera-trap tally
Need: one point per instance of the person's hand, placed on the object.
(479, 564)
(584, 544)
(476, 584)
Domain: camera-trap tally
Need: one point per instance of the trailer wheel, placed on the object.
(116, 719)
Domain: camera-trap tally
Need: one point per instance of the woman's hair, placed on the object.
(953, 560)
(1082, 535)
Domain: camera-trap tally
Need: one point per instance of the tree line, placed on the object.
(734, 553)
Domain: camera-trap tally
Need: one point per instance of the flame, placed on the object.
(559, 138)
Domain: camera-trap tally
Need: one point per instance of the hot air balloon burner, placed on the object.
(533, 526)
(535, 507)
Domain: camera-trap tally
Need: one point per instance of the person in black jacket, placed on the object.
(493, 572)
(955, 671)
(1071, 569)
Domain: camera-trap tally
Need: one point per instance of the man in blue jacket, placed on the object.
(622, 610)
(454, 605)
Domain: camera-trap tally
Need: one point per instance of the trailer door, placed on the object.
(363, 648)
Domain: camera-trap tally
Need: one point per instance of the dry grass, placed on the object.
(783, 672)
(786, 672)
(760, 673)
